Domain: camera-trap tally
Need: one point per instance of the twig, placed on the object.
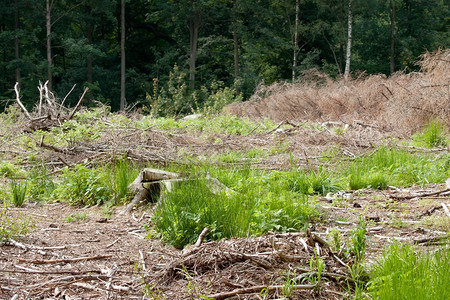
(141, 255)
(62, 103)
(25, 247)
(201, 237)
(78, 104)
(67, 260)
(108, 285)
(257, 289)
(110, 245)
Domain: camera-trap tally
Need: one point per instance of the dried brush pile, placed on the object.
(402, 103)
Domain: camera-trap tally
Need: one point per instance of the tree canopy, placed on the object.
(205, 44)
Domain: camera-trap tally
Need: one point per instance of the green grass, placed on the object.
(123, 173)
(435, 134)
(12, 227)
(402, 273)
(396, 167)
(81, 216)
(260, 204)
(18, 192)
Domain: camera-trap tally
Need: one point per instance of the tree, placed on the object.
(48, 26)
(122, 55)
(349, 40)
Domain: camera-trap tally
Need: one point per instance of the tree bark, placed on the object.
(194, 25)
(16, 39)
(392, 60)
(236, 50)
(48, 22)
(122, 56)
(294, 64)
(349, 40)
(89, 55)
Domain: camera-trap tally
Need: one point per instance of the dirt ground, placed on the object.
(110, 256)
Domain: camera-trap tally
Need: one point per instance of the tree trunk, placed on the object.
(48, 20)
(294, 65)
(89, 55)
(349, 40)
(194, 25)
(341, 59)
(122, 56)
(392, 60)
(236, 51)
(16, 39)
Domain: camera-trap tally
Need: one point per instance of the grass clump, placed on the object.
(396, 167)
(432, 135)
(403, 274)
(18, 192)
(123, 173)
(259, 204)
(185, 211)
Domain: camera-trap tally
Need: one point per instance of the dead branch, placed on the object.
(257, 289)
(26, 247)
(67, 260)
(202, 235)
(444, 206)
(432, 239)
(25, 111)
(78, 104)
(419, 195)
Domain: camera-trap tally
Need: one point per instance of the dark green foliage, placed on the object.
(83, 186)
(85, 45)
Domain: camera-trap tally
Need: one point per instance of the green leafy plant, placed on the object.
(81, 216)
(12, 227)
(18, 192)
(359, 241)
(40, 184)
(288, 288)
(83, 186)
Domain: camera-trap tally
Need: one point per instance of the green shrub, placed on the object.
(40, 184)
(403, 274)
(83, 186)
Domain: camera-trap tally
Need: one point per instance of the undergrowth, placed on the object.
(401, 273)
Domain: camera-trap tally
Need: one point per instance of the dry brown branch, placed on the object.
(67, 260)
(444, 206)
(202, 236)
(78, 104)
(257, 289)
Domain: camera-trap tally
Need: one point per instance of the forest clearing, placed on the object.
(335, 190)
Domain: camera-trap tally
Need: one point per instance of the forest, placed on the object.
(174, 54)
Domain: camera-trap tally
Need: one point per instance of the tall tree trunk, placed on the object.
(89, 55)
(349, 40)
(122, 55)
(16, 39)
(194, 26)
(294, 64)
(236, 51)
(48, 22)
(341, 59)
(392, 60)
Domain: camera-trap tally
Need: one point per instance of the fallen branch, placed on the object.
(444, 206)
(257, 289)
(67, 260)
(419, 195)
(78, 104)
(201, 237)
(431, 239)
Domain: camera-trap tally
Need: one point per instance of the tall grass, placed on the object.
(433, 134)
(123, 173)
(18, 192)
(397, 167)
(403, 274)
(259, 204)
